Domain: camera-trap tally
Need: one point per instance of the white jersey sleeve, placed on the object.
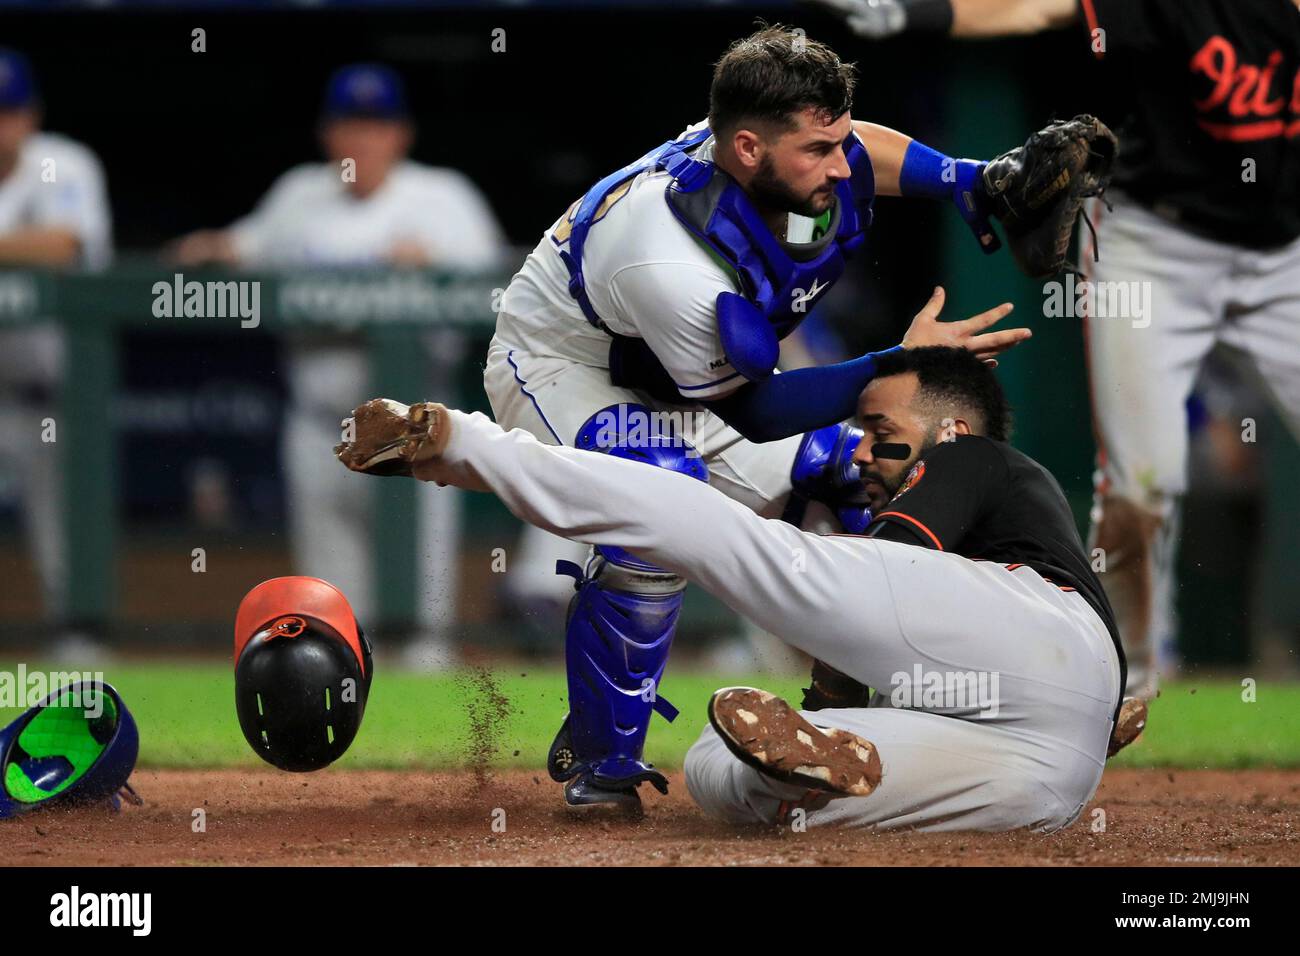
(72, 195)
(456, 225)
(253, 234)
(672, 306)
(309, 216)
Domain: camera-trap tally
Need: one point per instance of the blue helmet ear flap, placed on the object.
(748, 339)
(79, 753)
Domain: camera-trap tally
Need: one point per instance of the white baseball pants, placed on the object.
(1030, 754)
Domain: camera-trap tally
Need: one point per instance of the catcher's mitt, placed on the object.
(384, 437)
(1037, 190)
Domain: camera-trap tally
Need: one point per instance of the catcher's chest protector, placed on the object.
(779, 281)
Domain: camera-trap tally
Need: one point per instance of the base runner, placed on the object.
(969, 605)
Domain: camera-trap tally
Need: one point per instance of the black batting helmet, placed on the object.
(302, 672)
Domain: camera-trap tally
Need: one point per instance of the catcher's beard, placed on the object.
(767, 189)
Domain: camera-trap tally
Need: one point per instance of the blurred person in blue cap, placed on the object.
(54, 213)
(367, 205)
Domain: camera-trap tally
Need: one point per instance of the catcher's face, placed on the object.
(797, 171)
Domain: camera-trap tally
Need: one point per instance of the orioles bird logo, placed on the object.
(286, 627)
(913, 476)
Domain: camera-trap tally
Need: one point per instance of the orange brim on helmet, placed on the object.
(297, 594)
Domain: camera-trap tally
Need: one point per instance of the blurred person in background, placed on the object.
(1226, 563)
(54, 213)
(368, 205)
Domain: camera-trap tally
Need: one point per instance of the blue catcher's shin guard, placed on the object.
(620, 628)
(824, 470)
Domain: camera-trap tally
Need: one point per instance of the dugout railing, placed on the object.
(389, 309)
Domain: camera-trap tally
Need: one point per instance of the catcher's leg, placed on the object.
(1142, 365)
(620, 624)
(619, 632)
(623, 618)
(548, 397)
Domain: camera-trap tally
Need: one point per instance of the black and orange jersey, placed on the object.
(1210, 96)
(984, 500)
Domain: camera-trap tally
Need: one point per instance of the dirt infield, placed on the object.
(406, 818)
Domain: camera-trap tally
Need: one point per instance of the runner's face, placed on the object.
(799, 169)
(885, 413)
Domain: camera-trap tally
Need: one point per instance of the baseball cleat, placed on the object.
(386, 437)
(765, 732)
(562, 761)
(1130, 723)
(584, 794)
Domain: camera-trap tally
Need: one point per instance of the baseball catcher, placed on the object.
(668, 286)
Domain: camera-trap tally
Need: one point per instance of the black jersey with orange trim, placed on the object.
(983, 499)
(1211, 88)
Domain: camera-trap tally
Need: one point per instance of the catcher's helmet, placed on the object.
(76, 746)
(302, 672)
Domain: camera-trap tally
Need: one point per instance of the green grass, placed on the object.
(186, 716)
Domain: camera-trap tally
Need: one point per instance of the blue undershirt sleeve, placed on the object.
(791, 403)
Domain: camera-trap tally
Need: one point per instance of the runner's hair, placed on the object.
(953, 383)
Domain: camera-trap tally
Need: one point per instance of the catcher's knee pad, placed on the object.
(637, 433)
(621, 622)
(824, 470)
